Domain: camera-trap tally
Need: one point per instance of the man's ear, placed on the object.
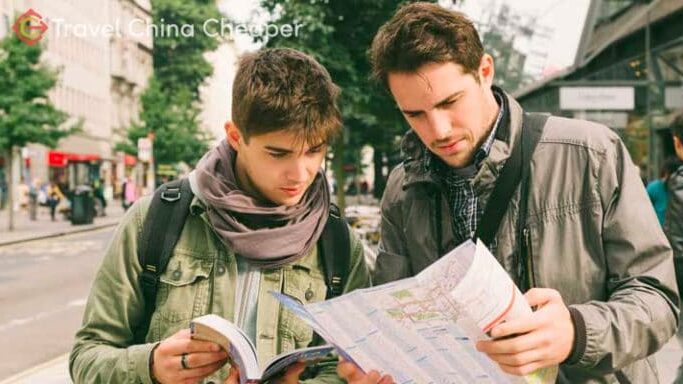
(486, 70)
(233, 135)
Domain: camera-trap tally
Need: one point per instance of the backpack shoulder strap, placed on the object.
(516, 167)
(160, 232)
(335, 246)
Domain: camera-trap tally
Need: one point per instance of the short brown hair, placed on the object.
(677, 126)
(422, 33)
(284, 89)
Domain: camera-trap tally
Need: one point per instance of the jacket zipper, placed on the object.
(531, 280)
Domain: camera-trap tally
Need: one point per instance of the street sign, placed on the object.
(145, 149)
(597, 98)
(673, 97)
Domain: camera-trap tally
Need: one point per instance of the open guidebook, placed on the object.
(422, 330)
(243, 353)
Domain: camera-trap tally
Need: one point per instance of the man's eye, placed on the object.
(278, 155)
(315, 150)
(414, 114)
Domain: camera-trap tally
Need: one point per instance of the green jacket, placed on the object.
(200, 279)
(591, 234)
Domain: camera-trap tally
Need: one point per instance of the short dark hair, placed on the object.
(677, 126)
(669, 166)
(422, 33)
(285, 89)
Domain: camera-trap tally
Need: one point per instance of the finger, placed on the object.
(346, 370)
(541, 296)
(178, 347)
(523, 370)
(293, 372)
(517, 326)
(200, 359)
(234, 377)
(387, 379)
(519, 359)
(516, 344)
(371, 378)
(202, 372)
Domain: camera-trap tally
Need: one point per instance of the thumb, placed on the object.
(293, 372)
(538, 297)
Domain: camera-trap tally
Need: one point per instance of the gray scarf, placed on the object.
(266, 235)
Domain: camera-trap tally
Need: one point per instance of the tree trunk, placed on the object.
(338, 170)
(10, 187)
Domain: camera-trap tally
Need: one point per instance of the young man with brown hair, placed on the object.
(260, 204)
(577, 232)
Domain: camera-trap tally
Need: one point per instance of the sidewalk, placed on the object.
(43, 227)
(55, 371)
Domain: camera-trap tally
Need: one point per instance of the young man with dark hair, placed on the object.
(577, 233)
(260, 205)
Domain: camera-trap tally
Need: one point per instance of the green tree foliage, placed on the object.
(171, 103)
(26, 114)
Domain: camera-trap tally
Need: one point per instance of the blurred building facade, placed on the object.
(101, 78)
(628, 74)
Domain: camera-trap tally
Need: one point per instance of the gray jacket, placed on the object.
(591, 234)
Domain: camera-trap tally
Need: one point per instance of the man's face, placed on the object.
(678, 147)
(276, 166)
(449, 110)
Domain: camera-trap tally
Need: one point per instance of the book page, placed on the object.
(218, 330)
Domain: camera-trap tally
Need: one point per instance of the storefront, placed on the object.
(70, 169)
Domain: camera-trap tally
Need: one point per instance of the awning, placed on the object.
(59, 159)
(129, 160)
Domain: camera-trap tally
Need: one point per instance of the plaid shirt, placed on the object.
(464, 203)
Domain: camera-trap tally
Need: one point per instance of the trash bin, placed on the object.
(82, 205)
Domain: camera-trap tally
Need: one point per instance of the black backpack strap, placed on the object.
(160, 232)
(516, 167)
(334, 243)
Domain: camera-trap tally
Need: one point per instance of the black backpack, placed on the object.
(165, 221)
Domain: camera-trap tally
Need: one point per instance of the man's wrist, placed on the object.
(151, 365)
(579, 346)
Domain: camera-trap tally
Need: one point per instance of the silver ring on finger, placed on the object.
(183, 361)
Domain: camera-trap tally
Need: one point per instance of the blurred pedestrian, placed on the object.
(98, 191)
(657, 189)
(33, 191)
(129, 193)
(54, 197)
